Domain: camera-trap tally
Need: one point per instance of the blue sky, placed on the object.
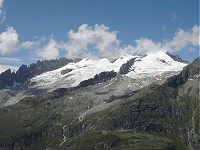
(40, 29)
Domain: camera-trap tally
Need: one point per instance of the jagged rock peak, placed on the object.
(176, 58)
(125, 68)
(25, 72)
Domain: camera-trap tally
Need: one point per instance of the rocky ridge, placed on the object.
(191, 71)
(24, 73)
(125, 68)
(177, 58)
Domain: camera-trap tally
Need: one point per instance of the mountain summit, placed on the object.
(148, 66)
(132, 73)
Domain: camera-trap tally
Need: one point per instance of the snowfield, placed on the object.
(154, 64)
(82, 70)
(151, 65)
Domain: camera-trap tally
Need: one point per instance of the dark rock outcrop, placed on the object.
(125, 68)
(7, 78)
(22, 74)
(47, 65)
(66, 71)
(177, 58)
(190, 71)
(98, 78)
(26, 72)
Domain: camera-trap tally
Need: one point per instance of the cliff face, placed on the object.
(7, 78)
(43, 66)
(98, 78)
(125, 68)
(190, 71)
(22, 74)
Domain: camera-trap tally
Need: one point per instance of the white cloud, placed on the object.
(2, 12)
(142, 46)
(146, 45)
(96, 41)
(50, 51)
(9, 42)
(183, 39)
(28, 44)
(1, 3)
(99, 39)
(88, 41)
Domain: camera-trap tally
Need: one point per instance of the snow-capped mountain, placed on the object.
(82, 70)
(132, 73)
(150, 65)
(154, 64)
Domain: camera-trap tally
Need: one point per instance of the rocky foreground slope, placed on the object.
(162, 116)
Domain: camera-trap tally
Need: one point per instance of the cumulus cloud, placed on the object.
(87, 40)
(183, 39)
(2, 12)
(142, 46)
(50, 51)
(100, 41)
(9, 42)
(97, 41)
(1, 3)
(146, 45)
(28, 44)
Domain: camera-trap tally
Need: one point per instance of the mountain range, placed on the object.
(148, 101)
